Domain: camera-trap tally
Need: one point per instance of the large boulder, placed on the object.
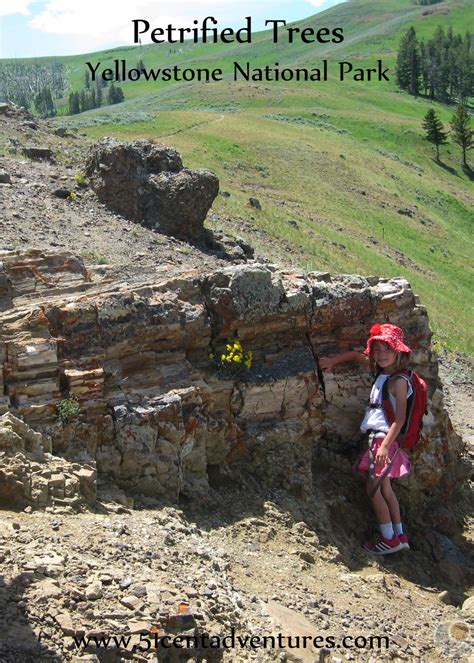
(147, 183)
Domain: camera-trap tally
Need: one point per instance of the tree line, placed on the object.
(32, 85)
(441, 68)
(93, 95)
(37, 87)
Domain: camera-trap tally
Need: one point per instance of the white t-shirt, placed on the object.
(375, 418)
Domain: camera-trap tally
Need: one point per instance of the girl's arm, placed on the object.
(327, 363)
(401, 390)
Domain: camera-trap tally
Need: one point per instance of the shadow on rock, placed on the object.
(19, 643)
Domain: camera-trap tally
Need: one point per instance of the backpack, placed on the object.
(410, 433)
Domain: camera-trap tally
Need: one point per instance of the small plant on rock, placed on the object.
(234, 362)
(81, 180)
(72, 195)
(96, 258)
(68, 409)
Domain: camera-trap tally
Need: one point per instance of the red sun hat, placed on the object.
(389, 334)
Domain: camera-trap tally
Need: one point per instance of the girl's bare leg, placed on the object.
(391, 500)
(379, 504)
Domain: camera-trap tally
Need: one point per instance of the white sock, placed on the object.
(387, 530)
(398, 528)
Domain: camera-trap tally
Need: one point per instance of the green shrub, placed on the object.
(68, 409)
(96, 258)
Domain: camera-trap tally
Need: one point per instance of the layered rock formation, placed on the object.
(155, 416)
(147, 183)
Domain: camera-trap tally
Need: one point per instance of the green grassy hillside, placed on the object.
(346, 161)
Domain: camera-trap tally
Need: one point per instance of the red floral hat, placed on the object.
(390, 334)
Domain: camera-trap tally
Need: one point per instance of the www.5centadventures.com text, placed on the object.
(342, 70)
(150, 641)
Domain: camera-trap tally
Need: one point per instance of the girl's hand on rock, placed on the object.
(326, 363)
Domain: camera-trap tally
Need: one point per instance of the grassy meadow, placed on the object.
(345, 178)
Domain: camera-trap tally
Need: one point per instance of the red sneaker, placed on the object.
(383, 546)
(404, 541)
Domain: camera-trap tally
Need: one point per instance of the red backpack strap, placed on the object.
(387, 404)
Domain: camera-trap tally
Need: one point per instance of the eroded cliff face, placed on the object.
(155, 416)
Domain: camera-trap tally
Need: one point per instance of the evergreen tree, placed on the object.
(403, 65)
(115, 94)
(434, 131)
(74, 107)
(44, 103)
(82, 101)
(414, 57)
(408, 62)
(462, 132)
(98, 95)
(87, 79)
(465, 68)
(112, 94)
(424, 68)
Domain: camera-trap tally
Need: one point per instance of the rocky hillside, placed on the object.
(47, 204)
(155, 494)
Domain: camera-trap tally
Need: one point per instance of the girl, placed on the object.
(384, 460)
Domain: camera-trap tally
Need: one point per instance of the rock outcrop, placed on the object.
(154, 415)
(30, 476)
(147, 183)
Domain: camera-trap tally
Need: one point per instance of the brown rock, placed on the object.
(38, 153)
(64, 620)
(147, 183)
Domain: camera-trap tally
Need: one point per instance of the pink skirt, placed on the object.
(401, 466)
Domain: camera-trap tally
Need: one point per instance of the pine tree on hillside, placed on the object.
(44, 103)
(409, 63)
(74, 106)
(465, 67)
(98, 95)
(434, 131)
(111, 95)
(115, 94)
(462, 132)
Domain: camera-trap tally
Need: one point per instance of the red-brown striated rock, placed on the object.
(157, 419)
